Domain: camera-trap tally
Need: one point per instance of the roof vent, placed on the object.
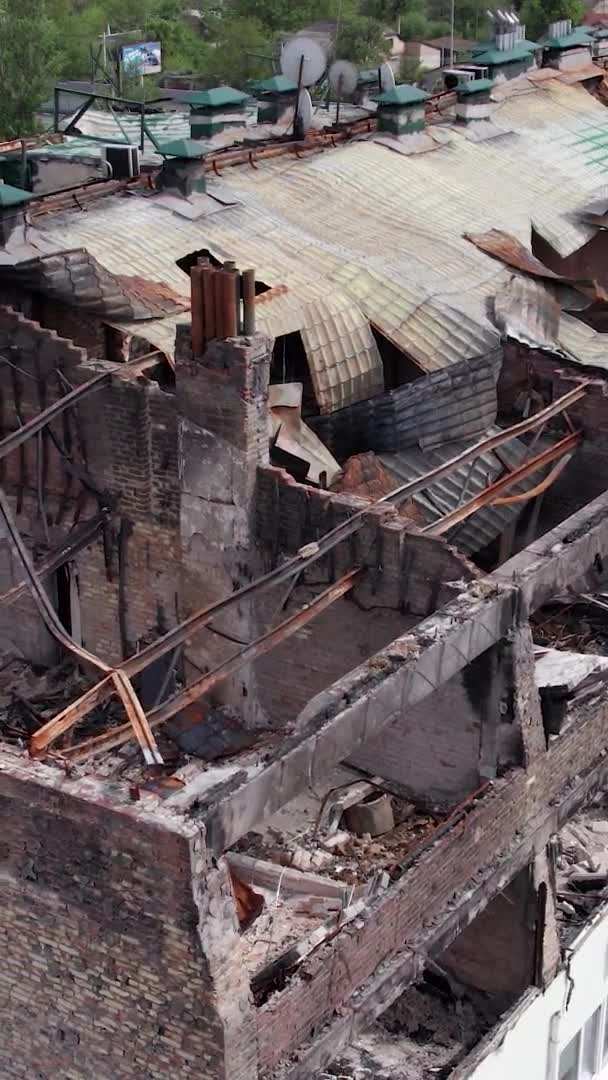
(123, 161)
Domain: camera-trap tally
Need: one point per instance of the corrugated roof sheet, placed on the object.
(464, 483)
(379, 233)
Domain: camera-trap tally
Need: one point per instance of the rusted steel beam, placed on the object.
(486, 497)
(31, 427)
(311, 553)
(137, 719)
(533, 493)
(262, 645)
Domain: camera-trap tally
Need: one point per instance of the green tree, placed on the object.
(29, 62)
(537, 14)
(361, 40)
(240, 51)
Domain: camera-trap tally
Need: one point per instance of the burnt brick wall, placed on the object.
(122, 442)
(410, 570)
(102, 972)
(406, 575)
(515, 808)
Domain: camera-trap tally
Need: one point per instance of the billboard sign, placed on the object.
(142, 59)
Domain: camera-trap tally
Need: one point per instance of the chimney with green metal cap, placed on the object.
(473, 100)
(276, 95)
(183, 170)
(401, 110)
(13, 202)
(213, 110)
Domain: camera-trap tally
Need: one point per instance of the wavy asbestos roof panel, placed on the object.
(464, 483)
(345, 364)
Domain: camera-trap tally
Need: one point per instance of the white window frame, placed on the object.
(600, 1071)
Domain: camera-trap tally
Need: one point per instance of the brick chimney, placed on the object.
(401, 110)
(183, 170)
(474, 100)
(222, 397)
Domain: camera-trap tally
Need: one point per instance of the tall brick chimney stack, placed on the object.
(222, 398)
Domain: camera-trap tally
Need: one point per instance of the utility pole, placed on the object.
(451, 33)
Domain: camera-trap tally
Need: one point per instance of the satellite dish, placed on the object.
(387, 77)
(306, 54)
(305, 110)
(343, 77)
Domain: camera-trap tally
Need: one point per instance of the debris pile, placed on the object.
(582, 866)
(421, 1036)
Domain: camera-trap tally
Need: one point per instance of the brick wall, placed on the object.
(495, 952)
(122, 442)
(437, 878)
(106, 955)
(407, 574)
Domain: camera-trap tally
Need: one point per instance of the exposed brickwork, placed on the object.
(436, 880)
(414, 570)
(122, 440)
(104, 925)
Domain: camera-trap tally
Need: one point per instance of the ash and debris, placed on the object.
(30, 696)
(576, 624)
(343, 856)
(423, 1035)
(581, 858)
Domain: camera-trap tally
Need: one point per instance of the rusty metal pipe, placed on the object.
(248, 278)
(196, 310)
(229, 286)
(208, 302)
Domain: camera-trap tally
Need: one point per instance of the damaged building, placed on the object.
(304, 471)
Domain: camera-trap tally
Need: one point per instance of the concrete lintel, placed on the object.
(359, 706)
(405, 966)
(554, 562)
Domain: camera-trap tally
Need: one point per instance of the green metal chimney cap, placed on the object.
(497, 57)
(216, 98)
(402, 95)
(475, 86)
(278, 84)
(184, 148)
(12, 196)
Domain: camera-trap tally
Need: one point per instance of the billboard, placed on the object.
(141, 59)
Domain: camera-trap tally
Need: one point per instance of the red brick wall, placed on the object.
(102, 972)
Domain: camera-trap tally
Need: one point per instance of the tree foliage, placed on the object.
(29, 59)
(537, 14)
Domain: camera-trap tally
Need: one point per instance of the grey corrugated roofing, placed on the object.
(464, 483)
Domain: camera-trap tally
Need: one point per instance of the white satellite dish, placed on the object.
(387, 77)
(343, 77)
(303, 61)
(305, 110)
